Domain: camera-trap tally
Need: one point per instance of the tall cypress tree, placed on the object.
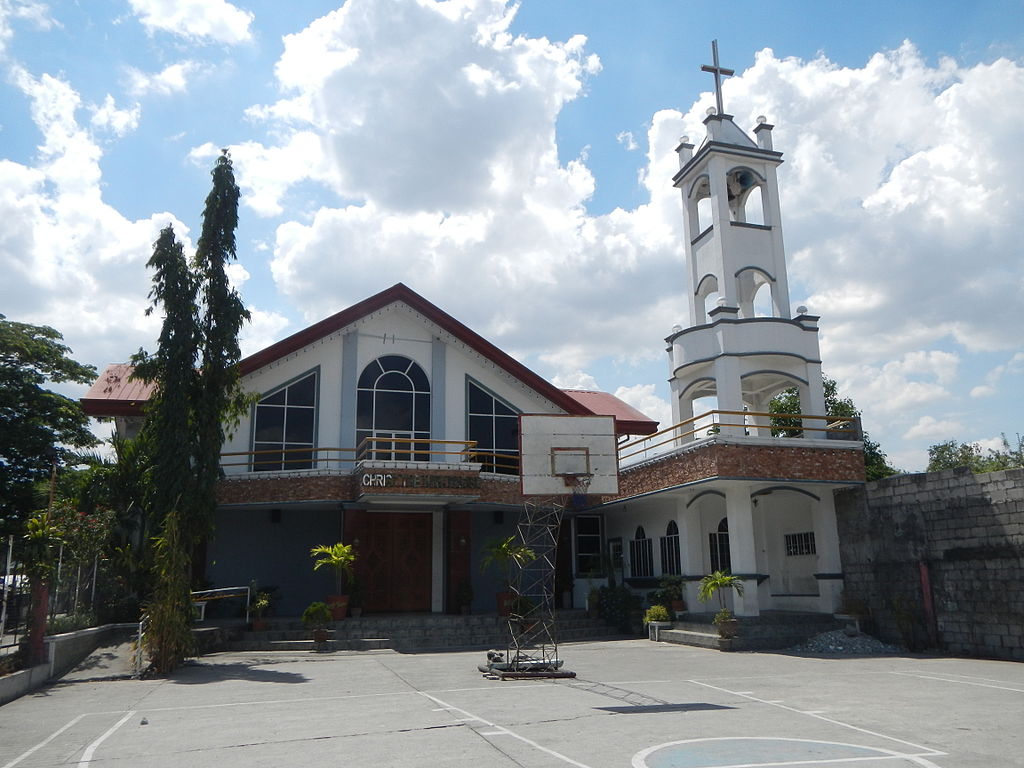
(169, 439)
(219, 398)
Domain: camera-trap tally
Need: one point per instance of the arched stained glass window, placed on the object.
(393, 410)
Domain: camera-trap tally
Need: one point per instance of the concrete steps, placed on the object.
(412, 632)
(772, 630)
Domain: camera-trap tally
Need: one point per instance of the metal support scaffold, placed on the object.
(533, 644)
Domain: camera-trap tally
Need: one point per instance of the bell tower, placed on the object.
(743, 345)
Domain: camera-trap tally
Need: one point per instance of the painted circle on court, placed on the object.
(723, 752)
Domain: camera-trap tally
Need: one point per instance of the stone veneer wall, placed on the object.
(752, 460)
(961, 532)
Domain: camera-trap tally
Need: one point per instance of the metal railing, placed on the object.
(747, 423)
(380, 448)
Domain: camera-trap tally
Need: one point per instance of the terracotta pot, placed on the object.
(260, 625)
(338, 605)
(320, 636)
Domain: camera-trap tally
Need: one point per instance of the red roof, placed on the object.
(115, 395)
(628, 420)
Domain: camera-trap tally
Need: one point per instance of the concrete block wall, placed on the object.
(939, 559)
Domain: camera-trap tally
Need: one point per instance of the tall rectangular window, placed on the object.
(670, 560)
(588, 544)
(641, 555)
(285, 427)
(494, 426)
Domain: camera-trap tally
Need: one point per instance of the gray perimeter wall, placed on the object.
(953, 536)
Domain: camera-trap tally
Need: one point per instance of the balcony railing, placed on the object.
(740, 423)
(370, 449)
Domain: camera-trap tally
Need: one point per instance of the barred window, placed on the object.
(670, 562)
(800, 544)
(641, 555)
(718, 542)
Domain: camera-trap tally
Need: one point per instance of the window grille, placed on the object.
(721, 560)
(670, 560)
(800, 544)
(641, 555)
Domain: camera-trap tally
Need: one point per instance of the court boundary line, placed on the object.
(925, 750)
(501, 730)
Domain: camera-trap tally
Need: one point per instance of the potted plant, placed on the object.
(657, 618)
(317, 617)
(340, 558)
(670, 594)
(260, 604)
(503, 554)
(718, 583)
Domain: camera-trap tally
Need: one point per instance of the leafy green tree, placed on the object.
(220, 398)
(37, 426)
(197, 391)
(952, 454)
(876, 465)
(169, 440)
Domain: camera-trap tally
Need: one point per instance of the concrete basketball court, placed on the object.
(634, 703)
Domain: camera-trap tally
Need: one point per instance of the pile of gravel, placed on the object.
(837, 642)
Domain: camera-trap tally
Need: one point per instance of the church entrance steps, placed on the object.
(413, 632)
(772, 630)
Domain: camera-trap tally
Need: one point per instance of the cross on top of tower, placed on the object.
(718, 72)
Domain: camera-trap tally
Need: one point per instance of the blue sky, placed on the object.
(513, 165)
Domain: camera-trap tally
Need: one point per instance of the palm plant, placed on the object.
(504, 553)
(339, 557)
(716, 584)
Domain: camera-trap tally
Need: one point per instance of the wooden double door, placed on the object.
(395, 556)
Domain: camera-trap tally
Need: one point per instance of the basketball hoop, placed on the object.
(579, 483)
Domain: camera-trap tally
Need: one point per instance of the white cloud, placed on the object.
(202, 20)
(626, 139)
(170, 80)
(119, 121)
(262, 330)
(930, 428)
(36, 13)
(64, 252)
(575, 380)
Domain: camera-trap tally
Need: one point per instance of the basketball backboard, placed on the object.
(555, 450)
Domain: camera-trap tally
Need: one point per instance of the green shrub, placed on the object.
(317, 615)
(657, 613)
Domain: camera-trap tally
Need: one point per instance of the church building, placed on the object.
(394, 427)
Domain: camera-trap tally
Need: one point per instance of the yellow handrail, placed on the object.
(833, 424)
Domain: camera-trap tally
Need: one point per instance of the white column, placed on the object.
(742, 548)
(437, 562)
(693, 546)
(730, 396)
(812, 401)
(826, 542)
